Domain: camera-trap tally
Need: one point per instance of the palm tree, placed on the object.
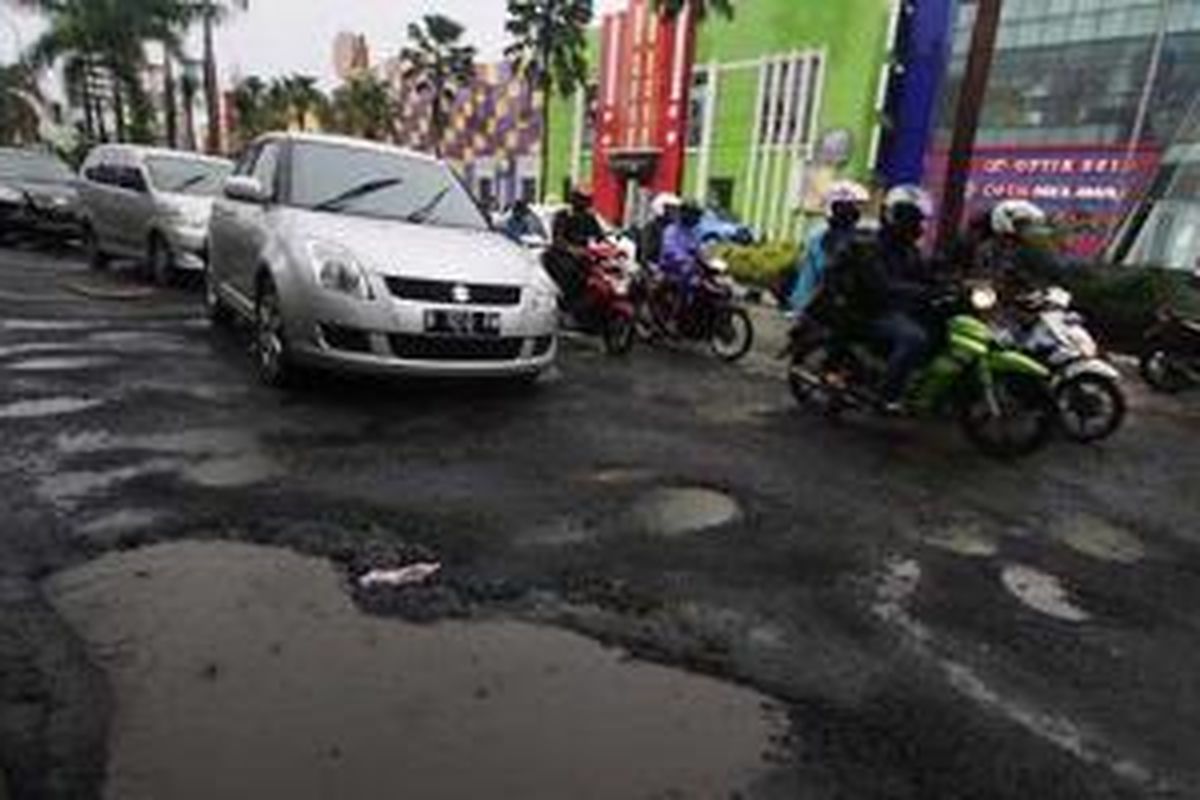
(303, 98)
(252, 109)
(438, 65)
(211, 13)
(548, 49)
(702, 8)
(364, 107)
(108, 36)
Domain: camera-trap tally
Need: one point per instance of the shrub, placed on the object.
(758, 265)
(1120, 302)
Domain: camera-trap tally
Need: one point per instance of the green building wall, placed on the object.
(852, 35)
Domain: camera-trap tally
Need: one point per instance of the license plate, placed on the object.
(449, 322)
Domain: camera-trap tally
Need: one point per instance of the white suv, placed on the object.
(358, 256)
(151, 204)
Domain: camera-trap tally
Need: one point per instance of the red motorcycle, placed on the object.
(605, 307)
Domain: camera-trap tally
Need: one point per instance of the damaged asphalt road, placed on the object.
(921, 623)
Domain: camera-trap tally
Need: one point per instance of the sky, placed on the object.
(276, 37)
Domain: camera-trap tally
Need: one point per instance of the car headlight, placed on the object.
(543, 297)
(337, 270)
(983, 298)
(11, 195)
(185, 217)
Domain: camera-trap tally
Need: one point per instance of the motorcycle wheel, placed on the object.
(1090, 408)
(1160, 371)
(1026, 418)
(619, 335)
(806, 379)
(732, 334)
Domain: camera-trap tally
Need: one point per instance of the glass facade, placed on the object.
(1072, 72)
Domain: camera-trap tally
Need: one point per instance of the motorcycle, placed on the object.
(712, 314)
(1087, 388)
(1170, 360)
(1000, 397)
(605, 307)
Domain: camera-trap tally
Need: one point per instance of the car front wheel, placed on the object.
(270, 341)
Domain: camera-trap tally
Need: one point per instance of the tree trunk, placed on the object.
(172, 117)
(544, 178)
(211, 90)
(189, 121)
(118, 105)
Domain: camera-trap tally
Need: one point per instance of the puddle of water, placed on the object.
(59, 364)
(48, 325)
(674, 512)
(66, 489)
(962, 538)
(1042, 592)
(245, 469)
(1098, 538)
(28, 348)
(192, 442)
(122, 521)
(296, 694)
(47, 407)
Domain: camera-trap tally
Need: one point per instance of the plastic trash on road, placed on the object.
(402, 576)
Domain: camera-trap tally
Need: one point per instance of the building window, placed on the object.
(698, 109)
(788, 111)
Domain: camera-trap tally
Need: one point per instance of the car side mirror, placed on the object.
(246, 189)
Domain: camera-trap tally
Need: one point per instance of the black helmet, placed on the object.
(690, 214)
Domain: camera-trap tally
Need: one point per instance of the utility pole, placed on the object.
(966, 118)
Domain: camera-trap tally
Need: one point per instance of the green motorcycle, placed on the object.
(1000, 396)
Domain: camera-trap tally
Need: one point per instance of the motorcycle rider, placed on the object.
(573, 230)
(1018, 255)
(880, 288)
(844, 203)
(681, 260)
(665, 210)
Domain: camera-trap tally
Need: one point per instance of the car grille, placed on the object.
(481, 294)
(456, 348)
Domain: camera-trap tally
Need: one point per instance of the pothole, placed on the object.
(287, 685)
(962, 538)
(679, 511)
(47, 407)
(64, 364)
(1098, 538)
(1042, 592)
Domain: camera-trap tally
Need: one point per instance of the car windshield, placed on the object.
(384, 185)
(175, 175)
(33, 167)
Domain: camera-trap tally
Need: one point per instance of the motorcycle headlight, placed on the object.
(337, 270)
(983, 298)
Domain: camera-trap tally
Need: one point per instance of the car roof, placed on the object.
(347, 141)
(145, 150)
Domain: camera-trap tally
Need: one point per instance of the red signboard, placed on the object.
(1087, 191)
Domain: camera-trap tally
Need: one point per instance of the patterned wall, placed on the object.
(494, 130)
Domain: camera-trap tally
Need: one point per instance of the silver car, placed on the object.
(150, 204)
(357, 256)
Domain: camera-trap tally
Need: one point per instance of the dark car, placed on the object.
(37, 195)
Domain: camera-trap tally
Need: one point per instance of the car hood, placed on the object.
(42, 193)
(397, 248)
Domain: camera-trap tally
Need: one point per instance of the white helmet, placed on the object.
(662, 203)
(907, 195)
(1012, 216)
(845, 192)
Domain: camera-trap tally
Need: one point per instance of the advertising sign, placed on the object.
(1087, 191)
